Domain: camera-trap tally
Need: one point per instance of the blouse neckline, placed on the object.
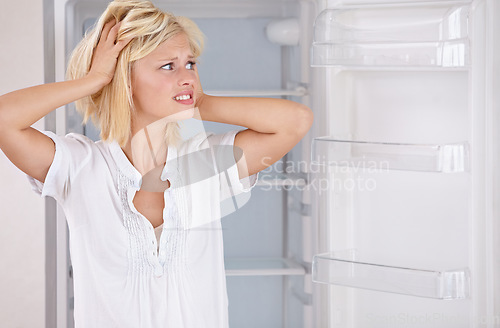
(169, 170)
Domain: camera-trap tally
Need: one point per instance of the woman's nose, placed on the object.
(187, 77)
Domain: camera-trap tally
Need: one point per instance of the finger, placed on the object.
(122, 43)
(104, 33)
(105, 30)
(113, 33)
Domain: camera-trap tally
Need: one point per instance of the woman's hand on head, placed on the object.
(199, 90)
(106, 53)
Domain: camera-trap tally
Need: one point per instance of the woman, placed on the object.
(135, 69)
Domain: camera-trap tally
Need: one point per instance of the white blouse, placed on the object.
(158, 231)
(124, 276)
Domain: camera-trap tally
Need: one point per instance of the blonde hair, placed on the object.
(110, 108)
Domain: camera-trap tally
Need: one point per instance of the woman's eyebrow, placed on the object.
(175, 58)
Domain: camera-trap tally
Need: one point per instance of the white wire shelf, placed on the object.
(330, 268)
(298, 92)
(445, 158)
(273, 266)
(418, 35)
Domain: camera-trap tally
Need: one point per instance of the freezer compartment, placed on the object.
(444, 158)
(344, 269)
(419, 35)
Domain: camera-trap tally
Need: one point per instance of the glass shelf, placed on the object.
(420, 35)
(330, 268)
(446, 158)
(262, 267)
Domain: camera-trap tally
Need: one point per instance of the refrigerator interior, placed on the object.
(404, 207)
(265, 267)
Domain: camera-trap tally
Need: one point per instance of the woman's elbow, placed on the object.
(304, 119)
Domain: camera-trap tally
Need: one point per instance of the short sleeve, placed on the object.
(70, 154)
(230, 182)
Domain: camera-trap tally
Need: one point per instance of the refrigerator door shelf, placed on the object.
(451, 54)
(330, 268)
(435, 35)
(445, 158)
(263, 267)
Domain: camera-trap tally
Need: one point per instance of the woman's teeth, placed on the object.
(183, 97)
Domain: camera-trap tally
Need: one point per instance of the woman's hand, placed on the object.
(106, 53)
(199, 95)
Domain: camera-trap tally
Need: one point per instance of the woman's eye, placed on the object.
(167, 66)
(190, 65)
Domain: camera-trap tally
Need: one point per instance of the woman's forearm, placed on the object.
(265, 115)
(21, 108)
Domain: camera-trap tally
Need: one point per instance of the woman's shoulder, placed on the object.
(77, 138)
(82, 143)
(69, 138)
(78, 146)
(80, 137)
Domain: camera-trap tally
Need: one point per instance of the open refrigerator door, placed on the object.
(405, 164)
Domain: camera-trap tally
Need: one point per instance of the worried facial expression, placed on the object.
(165, 82)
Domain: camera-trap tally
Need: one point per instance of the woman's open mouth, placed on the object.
(185, 99)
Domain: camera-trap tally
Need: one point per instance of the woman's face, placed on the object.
(165, 82)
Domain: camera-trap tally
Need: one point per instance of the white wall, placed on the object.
(22, 226)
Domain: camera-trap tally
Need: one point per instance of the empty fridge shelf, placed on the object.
(420, 35)
(381, 156)
(330, 268)
(262, 267)
(298, 92)
(452, 54)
